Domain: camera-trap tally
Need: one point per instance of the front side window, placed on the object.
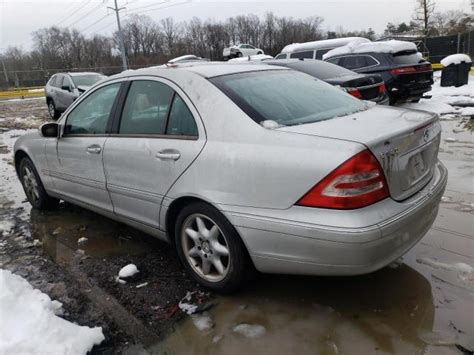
(281, 56)
(146, 108)
(181, 121)
(321, 52)
(90, 116)
(305, 54)
(286, 97)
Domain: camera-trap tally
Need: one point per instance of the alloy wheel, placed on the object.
(205, 247)
(31, 184)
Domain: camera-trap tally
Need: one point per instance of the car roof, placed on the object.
(204, 69)
(321, 44)
(82, 73)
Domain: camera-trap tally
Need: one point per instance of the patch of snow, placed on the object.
(30, 325)
(327, 43)
(467, 111)
(396, 264)
(217, 338)
(120, 281)
(128, 271)
(455, 59)
(36, 90)
(142, 285)
(186, 306)
(202, 322)
(459, 267)
(37, 242)
(432, 106)
(270, 124)
(450, 140)
(250, 330)
(392, 46)
(251, 58)
(82, 240)
(6, 227)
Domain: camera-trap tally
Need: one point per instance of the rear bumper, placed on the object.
(290, 247)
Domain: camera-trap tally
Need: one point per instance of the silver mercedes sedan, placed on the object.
(243, 167)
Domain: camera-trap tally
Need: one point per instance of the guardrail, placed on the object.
(21, 93)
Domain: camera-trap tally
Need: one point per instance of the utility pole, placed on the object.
(4, 70)
(121, 42)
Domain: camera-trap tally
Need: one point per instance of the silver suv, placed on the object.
(63, 88)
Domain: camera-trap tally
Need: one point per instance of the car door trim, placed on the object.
(135, 193)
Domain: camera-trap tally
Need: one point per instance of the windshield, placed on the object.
(286, 97)
(87, 80)
(319, 69)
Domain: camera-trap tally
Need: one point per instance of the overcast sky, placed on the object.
(18, 18)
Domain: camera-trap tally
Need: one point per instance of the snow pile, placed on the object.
(251, 58)
(455, 59)
(458, 267)
(30, 325)
(127, 271)
(392, 46)
(443, 99)
(270, 124)
(327, 43)
(250, 330)
(202, 322)
(6, 227)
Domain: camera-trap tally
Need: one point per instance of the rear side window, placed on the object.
(321, 52)
(52, 81)
(281, 56)
(334, 60)
(181, 121)
(305, 54)
(146, 108)
(286, 97)
(354, 62)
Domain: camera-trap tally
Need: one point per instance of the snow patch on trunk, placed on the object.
(30, 325)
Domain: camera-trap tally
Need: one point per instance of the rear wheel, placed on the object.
(53, 113)
(34, 188)
(210, 248)
(239, 54)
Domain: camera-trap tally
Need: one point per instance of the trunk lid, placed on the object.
(405, 142)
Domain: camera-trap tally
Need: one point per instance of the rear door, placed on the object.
(156, 137)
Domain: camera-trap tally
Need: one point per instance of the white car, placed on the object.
(241, 50)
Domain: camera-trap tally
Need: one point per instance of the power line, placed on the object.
(150, 5)
(67, 17)
(85, 15)
(163, 7)
(64, 12)
(94, 23)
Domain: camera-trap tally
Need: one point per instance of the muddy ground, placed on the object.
(422, 305)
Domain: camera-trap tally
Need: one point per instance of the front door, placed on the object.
(76, 168)
(156, 139)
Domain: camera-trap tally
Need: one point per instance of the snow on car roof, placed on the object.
(251, 58)
(455, 59)
(392, 46)
(84, 73)
(326, 43)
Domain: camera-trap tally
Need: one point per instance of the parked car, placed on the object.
(243, 166)
(187, 58)
(240, 50)
(315, 49)
(63, 88)
(363, 86)
(406, 74)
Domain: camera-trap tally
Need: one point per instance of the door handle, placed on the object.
(168, 154)
(94, 149)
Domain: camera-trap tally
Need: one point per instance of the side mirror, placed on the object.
(50, 130)
(66, 87)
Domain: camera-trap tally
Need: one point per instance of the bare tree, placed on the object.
(424, 11)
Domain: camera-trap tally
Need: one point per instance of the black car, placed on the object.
(365, 87)
(407, 76)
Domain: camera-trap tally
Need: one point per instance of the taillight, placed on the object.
(356, 183)
(382, 89)
(409, 70)
(354, 92)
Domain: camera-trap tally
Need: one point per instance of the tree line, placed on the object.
(154, 42)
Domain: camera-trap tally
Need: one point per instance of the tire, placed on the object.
(207, 244)
(259, 52)
(239, 54)
(416, 100)
(53, 113)
(34, 188)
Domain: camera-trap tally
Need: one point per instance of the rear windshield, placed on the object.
(407, 57)
(286, 97)
(87, 80)
(319, 69)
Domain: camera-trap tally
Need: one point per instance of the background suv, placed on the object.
(240, 50)
(63, 88)
(407, 76)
